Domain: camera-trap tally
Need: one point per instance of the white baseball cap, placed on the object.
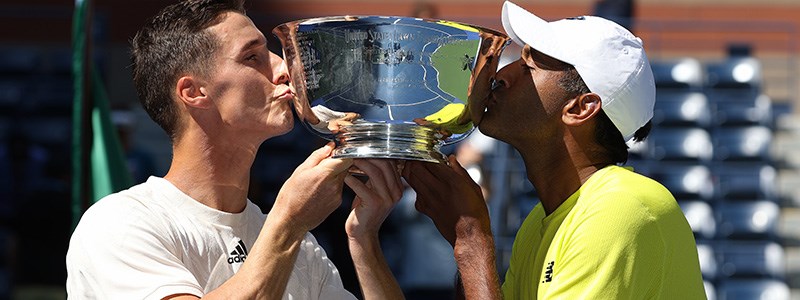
(609, 58)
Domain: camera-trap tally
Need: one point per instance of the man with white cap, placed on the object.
(581, 88)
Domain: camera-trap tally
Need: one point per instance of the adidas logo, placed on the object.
(239, 254)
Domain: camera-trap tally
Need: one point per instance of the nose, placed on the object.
(280, 72)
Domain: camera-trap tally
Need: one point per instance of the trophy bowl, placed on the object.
(380, 86)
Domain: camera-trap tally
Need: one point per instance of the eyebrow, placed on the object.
(252, 43)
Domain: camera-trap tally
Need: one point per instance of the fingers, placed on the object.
(357, 186)
(383, 177)
(335, 125)
(421, 179)
(497, 45)
(351, 116)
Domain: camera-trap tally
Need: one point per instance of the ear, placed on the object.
(581, 109)
(192, 92)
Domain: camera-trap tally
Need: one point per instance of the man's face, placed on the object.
(528, 101)
(249, 84)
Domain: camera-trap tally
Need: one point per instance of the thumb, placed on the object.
(317, 156)
(336, 165)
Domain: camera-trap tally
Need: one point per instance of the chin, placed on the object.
(490, 128)
(278, 129)
(287, 125)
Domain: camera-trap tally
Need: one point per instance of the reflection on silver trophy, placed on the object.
(383, 87)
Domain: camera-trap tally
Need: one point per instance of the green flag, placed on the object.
(98, 164)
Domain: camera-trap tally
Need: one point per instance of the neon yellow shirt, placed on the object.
(620, 236)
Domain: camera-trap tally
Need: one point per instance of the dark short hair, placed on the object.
(173, 43)
(606, 133)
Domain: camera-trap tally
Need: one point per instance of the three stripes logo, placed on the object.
(239, 254)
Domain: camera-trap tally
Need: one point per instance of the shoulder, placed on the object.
(623, 192)
(626, 207)
(137, 202)
(135, 212)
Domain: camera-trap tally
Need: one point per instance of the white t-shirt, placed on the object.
(152, 241)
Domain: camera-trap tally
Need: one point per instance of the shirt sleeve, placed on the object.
(119, 252)
(615, 251)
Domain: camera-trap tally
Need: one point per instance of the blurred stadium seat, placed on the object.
(708, 260)
(683, 72)
(742, 143)
(701, 218)
(11, 94)
(681, 144)
(686, 181)
(750, 259)
(752, 219)
(681, 108)
(711, 292)
(734, 107)
(759, 289)
(15, 61)
(734, 73)
(745, 180)
(52, 131)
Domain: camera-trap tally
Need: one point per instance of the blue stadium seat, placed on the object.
(708, 260)
(47, 130)
(686, 182)
(750, 259)
(745, 180)
(742, 143)
(700, 216)
(711, 292)
(16, 61)
(52, 95)
(11, 95)
(678, 73)
(681, 144)
(59, 62)
(742, 289)
(734, 107)
(734, 73)
(681, 108)
(752, 219)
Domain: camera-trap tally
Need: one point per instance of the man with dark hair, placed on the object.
(580, 89)
(204, 74)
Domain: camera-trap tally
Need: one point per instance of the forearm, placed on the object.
(266, 271)
(474, 254)
(374, 275)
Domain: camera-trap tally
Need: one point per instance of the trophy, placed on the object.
(383, 87)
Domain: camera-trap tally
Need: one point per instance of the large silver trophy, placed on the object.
(383, 87)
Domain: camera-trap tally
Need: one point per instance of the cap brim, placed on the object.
(524, 27)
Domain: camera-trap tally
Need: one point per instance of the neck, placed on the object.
(558, 171)
(213, 169)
